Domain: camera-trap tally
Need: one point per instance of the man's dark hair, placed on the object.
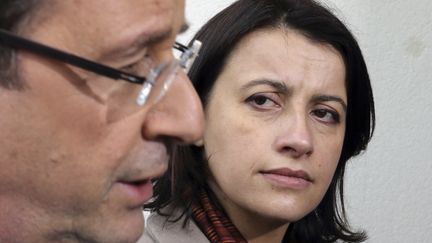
(188, 172)
(12, 15)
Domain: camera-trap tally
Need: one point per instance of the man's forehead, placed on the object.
(120, 23)
(131, 41)
(114, 13)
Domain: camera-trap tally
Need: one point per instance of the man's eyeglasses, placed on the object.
(155, 81)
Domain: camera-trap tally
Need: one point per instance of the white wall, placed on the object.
(389, 188)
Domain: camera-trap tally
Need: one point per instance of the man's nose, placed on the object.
(178, 115)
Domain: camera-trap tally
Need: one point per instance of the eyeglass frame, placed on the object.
(9, 39)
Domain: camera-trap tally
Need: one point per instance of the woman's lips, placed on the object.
(287, 178)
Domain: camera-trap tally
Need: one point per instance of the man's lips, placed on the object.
(138, 192)
(285, 177)
(139, 189)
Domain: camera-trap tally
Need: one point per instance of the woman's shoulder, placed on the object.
(159, 230)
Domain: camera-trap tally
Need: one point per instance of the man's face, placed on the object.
(67, 170)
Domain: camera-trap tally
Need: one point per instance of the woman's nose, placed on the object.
(295, 138)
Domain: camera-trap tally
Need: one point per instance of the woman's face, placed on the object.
(276, 124)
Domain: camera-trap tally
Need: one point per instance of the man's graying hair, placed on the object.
(12, 14)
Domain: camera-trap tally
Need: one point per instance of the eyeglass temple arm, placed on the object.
(189, 53)
(21, 43)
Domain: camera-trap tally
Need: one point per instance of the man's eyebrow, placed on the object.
(326, 98)
(163, 35)
(129, 45)
(184, 28)
(156, 38)
(278, 85)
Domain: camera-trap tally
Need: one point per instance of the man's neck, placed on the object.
(20, 221)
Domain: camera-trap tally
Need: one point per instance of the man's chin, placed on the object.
(132, 228)
(120, 230)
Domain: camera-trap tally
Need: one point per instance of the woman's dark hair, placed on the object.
(188, 173)
(13, 14)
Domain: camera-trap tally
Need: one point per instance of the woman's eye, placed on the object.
(326, 115)
(261, 101)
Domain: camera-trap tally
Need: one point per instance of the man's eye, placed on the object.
(261, 101)
(326, 115)
(140, 68)
(130, 68)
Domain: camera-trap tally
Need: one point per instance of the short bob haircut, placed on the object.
(188, 171)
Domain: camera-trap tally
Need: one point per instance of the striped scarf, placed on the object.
(215, 224)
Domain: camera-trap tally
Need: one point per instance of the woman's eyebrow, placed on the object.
(326, 98)
(278, 85)
(281, 87)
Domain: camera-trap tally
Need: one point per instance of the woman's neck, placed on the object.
(254, 227)
(257, 229)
